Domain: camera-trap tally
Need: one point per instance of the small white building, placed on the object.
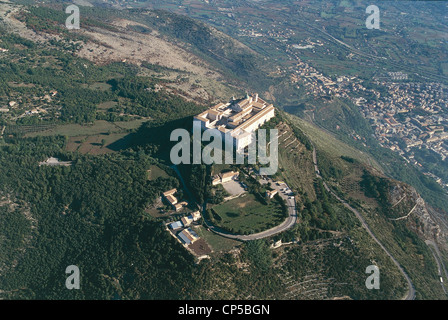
(176, 225)
(196, 215)
(186, 221)
(271, 193)
(225, 177)
(55, 162)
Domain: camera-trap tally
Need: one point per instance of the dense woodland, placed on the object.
(90, 215)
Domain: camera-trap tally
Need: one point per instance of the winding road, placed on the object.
(411, 290)
(292, 220)
(438, 257)
(285, 225)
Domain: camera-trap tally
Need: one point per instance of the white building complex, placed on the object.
(239, 118)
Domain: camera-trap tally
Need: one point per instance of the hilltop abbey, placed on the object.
(239, 118)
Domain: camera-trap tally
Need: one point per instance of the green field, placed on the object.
(95, 144)
(98, 138)
(98, 127)
(246, 214)
(97, 86)
(326, 142)
(155, 172)
(130, 125)
(216, 242)
(107, 105)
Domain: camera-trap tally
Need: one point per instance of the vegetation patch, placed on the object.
(155, 172)
(247, 214)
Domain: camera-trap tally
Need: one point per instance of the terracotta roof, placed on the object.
(170, 192)
(171, 199)
(228, 174)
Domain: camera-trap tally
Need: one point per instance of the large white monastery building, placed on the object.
(239, 118)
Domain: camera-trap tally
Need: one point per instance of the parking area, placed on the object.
(233, 187)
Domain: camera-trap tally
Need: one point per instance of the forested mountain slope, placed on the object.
(106, 98)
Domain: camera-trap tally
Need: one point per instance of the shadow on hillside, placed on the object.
(153, 138)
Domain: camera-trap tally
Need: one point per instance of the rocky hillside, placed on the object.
(195, 59)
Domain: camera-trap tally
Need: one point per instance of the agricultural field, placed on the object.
(101, 86)
(96, 128)
(155, 172)
(95, 144)
(98, 138)
(332, 146)
(104, 106)
(295, 162)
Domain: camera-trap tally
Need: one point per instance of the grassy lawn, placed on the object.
(216, 242)
(74, 129)
(102, 86)
(106, 105)
(218, 168)
(98, 127)
(129, 125)
(246, 214)
(98, 138)
(93, 144)
(325, 141)
(155, 172)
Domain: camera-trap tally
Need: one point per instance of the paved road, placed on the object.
(285, 225)
(411, 290)
(440, 266)
(292, 219)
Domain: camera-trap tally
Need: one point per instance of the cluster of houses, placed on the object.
(185, 221)
(413, 115)
(187, 235)
(169, 196)
(41, 109)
